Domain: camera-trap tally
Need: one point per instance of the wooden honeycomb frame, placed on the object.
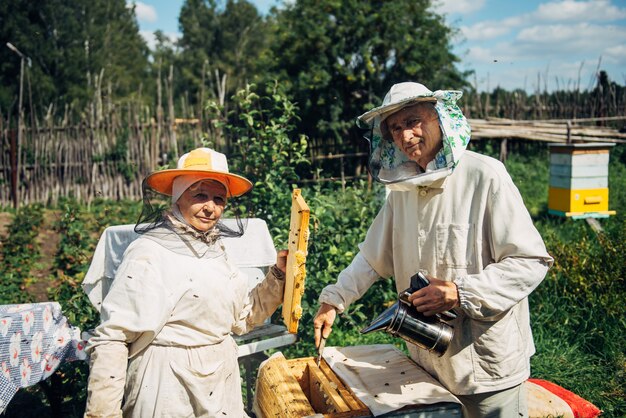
(295, 270)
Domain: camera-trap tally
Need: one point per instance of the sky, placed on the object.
(526, 44)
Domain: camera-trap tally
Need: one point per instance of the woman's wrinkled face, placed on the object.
(415, 130)
(202, 204)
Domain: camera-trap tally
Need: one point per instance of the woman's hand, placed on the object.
(281, 260)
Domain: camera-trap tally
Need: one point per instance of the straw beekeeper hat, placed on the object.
(202, 163)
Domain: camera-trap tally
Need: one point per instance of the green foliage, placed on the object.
(577, 312)
(339, 220)
(261, 126)
(74, 252)
(529, 172)
(339, 57)
(79, 227)
(73, 47)
(219, 41)
(19, 252)
(265, 147)
(118, 155)
(578, 316)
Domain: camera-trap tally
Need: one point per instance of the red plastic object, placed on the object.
(581, 408)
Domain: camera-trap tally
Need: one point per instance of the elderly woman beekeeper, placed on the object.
(175, 301)
(457, 216)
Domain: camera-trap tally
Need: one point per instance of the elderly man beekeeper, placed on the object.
(165, 344)
(456, 216)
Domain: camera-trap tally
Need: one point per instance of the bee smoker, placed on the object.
(402, 320)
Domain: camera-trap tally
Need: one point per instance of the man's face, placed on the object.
(415, 130)
(202, 204)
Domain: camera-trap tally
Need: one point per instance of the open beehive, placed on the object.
(299, 388)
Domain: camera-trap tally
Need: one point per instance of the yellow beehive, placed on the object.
(579, 180)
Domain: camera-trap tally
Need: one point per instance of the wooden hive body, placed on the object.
(299, 388)
(579, 180)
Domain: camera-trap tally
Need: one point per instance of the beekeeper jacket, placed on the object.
(173, 314)
(470, 227)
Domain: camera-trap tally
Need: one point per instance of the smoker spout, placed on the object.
(383, 321)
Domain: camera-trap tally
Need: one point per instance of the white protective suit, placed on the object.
(462, 220)
(471, 228)
(173, 315)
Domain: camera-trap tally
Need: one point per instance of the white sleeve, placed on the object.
(261, 302)
(107, 377)
(521, 260)
(352, 283)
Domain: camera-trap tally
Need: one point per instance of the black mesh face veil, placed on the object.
(161, 221)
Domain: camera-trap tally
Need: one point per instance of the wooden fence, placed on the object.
(111, 150)
(106, 158)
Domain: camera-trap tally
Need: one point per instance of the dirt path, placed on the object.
(48, 241)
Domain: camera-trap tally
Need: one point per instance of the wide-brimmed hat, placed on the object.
(203, 163)
(399, 96)
(388, 164)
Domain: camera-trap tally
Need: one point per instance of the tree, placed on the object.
(74, 47)
(220, 46)
(339, 57)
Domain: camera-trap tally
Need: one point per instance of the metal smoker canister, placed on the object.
(404, 321)
(399, 320)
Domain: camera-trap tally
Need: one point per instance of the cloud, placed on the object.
(579, 11)
(144, 12)
(148, 36)
(491, 29)
(484, 30)
(150, 39)
(560, 43)
(553, 56)
(458, 6)
(543, 42)
(559, 11)
(581, 38)
(616, 53)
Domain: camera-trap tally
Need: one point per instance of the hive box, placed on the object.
(299, 388)
(579, 180)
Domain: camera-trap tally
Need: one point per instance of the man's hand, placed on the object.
(323, 322)
(439, 296)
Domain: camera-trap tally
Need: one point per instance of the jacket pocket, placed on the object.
(456, 245)
(204, 386)
(499, 349)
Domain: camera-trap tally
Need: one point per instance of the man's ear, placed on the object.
(384, 131)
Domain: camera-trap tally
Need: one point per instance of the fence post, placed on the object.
(569, 132)
(343, 175)
(503, 151)
(13, 156)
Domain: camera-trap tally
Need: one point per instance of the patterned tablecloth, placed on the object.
(35, 339)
